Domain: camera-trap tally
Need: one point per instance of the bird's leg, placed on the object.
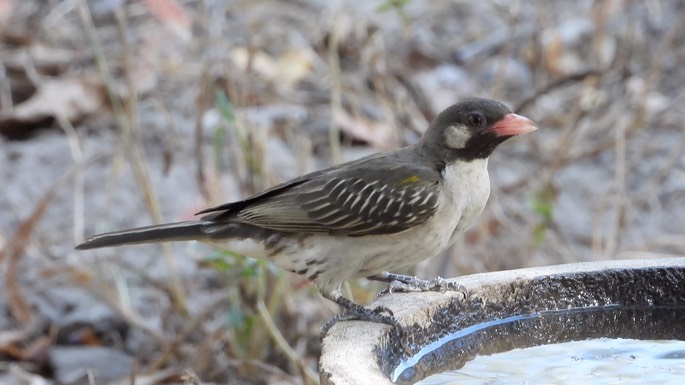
(380, 314)
(410, 283)
(357, 312)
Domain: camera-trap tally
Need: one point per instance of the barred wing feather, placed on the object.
(346, 206)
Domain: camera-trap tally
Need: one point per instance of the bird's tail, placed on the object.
(179, 231)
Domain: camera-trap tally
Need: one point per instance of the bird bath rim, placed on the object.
(362, 352)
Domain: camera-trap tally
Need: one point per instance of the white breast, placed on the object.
(468, 184)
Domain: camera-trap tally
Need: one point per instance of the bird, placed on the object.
(364, 218)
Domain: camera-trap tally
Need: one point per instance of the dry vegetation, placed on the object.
(118, 113)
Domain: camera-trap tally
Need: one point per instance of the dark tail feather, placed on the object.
(179, 231)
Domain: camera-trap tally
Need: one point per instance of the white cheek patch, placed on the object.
(456, 136)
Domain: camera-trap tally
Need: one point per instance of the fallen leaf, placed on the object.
(378, 134)
(6, 12)
(11, 337)
(255, 61)
(552, 55)
(70, 97)
(26, 377)
(17, 305)
(293, 65)
(45, 59)
(38, 348)
(286, 70)
(144, 66)
(172, 15)
(77, 275)
(169, 375)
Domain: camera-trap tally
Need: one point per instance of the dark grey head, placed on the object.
(472, 129)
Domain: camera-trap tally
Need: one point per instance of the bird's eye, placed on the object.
(476, 119)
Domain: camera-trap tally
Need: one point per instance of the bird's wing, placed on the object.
(376, 196)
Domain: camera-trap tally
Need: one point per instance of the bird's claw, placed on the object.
(406, 283)
(383, 309)
(363, 314)
(371, 315)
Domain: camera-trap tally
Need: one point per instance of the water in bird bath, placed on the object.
(595, 361)
(599, 345)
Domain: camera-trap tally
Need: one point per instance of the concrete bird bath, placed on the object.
(637, 299)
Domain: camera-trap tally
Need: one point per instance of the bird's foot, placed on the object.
(380, 314)
(353, 311)
(410, 283)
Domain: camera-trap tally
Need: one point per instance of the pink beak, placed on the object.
(512, 124)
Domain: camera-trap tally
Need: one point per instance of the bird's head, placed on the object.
(473, 128)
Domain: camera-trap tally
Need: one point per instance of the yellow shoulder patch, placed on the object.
(410, 180)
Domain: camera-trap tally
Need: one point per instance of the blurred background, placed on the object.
(121, 113)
